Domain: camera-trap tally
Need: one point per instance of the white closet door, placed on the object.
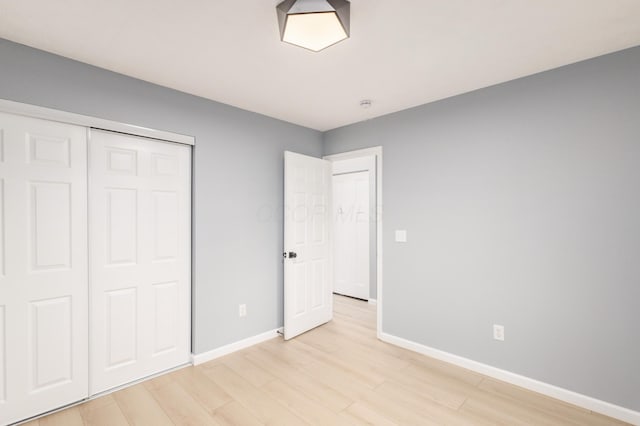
(351, 234)
(140, 257)
(43, 266)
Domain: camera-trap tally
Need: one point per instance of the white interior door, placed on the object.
(351, 234)
(307, 243)
(43, 266)
(140, 257)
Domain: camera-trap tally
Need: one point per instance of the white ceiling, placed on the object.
(401, 53)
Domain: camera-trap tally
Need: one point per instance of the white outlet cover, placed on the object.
(498, 332)
(401, 236)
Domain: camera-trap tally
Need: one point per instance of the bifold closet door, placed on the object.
(140, 257)
(43, 266)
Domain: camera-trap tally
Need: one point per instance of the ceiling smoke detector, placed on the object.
(314, 24)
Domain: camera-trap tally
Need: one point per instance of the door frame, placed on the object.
(377, 153)
(34, 111)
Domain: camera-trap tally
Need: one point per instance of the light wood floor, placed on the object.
(337, 374)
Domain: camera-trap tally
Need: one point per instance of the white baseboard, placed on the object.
(565, 395)
(373, 302)
(233, 347)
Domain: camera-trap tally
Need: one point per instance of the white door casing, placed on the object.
(43, 266)
(140, 257)
(351, 234)
(307, 233)
(375, 156)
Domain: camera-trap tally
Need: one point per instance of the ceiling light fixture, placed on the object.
(313, 24)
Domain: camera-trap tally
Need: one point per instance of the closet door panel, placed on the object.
(122, 325)
(43, 266)
(50, 226)
(121, 211)
(140, 215)
(51, 343)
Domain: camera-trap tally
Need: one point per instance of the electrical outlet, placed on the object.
(498, 332)
(242, 310)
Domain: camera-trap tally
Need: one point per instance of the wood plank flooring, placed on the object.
(337, 374)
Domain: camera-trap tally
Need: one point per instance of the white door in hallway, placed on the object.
(307, 243)
(351, 234)
(140, 257)
(43, 266)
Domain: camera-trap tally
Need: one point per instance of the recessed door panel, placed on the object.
(318, 219)
(122, 326)
(167, 309)
(319, 286)
(121, 224)
(141, 260)
(166, 221)
(299, 215)
(51, 343)
(121, 161)
(300, 289)
(164, 165)
(48, 150)
(50, 214)
(299, 183)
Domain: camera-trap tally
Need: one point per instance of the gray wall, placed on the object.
(522, 206)
(238, 180)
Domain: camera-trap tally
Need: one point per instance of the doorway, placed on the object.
(357, 228)
(354, 233)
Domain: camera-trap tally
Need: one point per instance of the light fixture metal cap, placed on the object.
(311, 6)
(283, 9)
(343, 10)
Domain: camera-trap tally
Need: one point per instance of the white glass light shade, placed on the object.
(314, 31)
(313, 24)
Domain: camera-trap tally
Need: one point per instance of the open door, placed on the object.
(307, 243)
